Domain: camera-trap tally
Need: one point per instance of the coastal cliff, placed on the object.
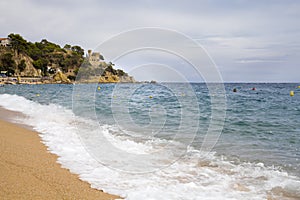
(17, 63)
(53, 64)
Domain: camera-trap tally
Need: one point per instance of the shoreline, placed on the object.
(29, 171)
(47, 80)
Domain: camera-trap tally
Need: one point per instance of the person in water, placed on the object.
(234, 90)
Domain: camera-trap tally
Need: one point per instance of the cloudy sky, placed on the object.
(254, 40)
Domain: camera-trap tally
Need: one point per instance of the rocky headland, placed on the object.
(22, 61)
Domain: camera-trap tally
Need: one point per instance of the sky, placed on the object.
(248, 40)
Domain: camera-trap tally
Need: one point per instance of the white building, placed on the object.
(4, 42)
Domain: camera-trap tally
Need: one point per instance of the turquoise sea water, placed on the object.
(260, 136)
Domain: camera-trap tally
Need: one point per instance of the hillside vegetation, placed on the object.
(45, 59)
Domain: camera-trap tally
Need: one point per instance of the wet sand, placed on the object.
(28, 171)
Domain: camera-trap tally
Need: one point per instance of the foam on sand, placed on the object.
(28, 171)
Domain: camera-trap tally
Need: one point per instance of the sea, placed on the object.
(171, 141)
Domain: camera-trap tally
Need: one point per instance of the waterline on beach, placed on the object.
(213, 176)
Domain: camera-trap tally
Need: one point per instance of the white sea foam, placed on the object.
(192, 177)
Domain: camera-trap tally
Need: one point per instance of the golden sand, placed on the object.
(28, 171)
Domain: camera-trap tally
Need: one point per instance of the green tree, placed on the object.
(111, 69)
(48, 47)
(18, 43)
(22, 65)
(34, 52)
(41, 64)
(67, 46)
(8, 64)
(78, 50)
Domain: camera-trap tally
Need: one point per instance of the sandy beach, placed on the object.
(28, 171)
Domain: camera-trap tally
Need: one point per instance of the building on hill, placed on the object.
(95, 58)
(5, 42)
